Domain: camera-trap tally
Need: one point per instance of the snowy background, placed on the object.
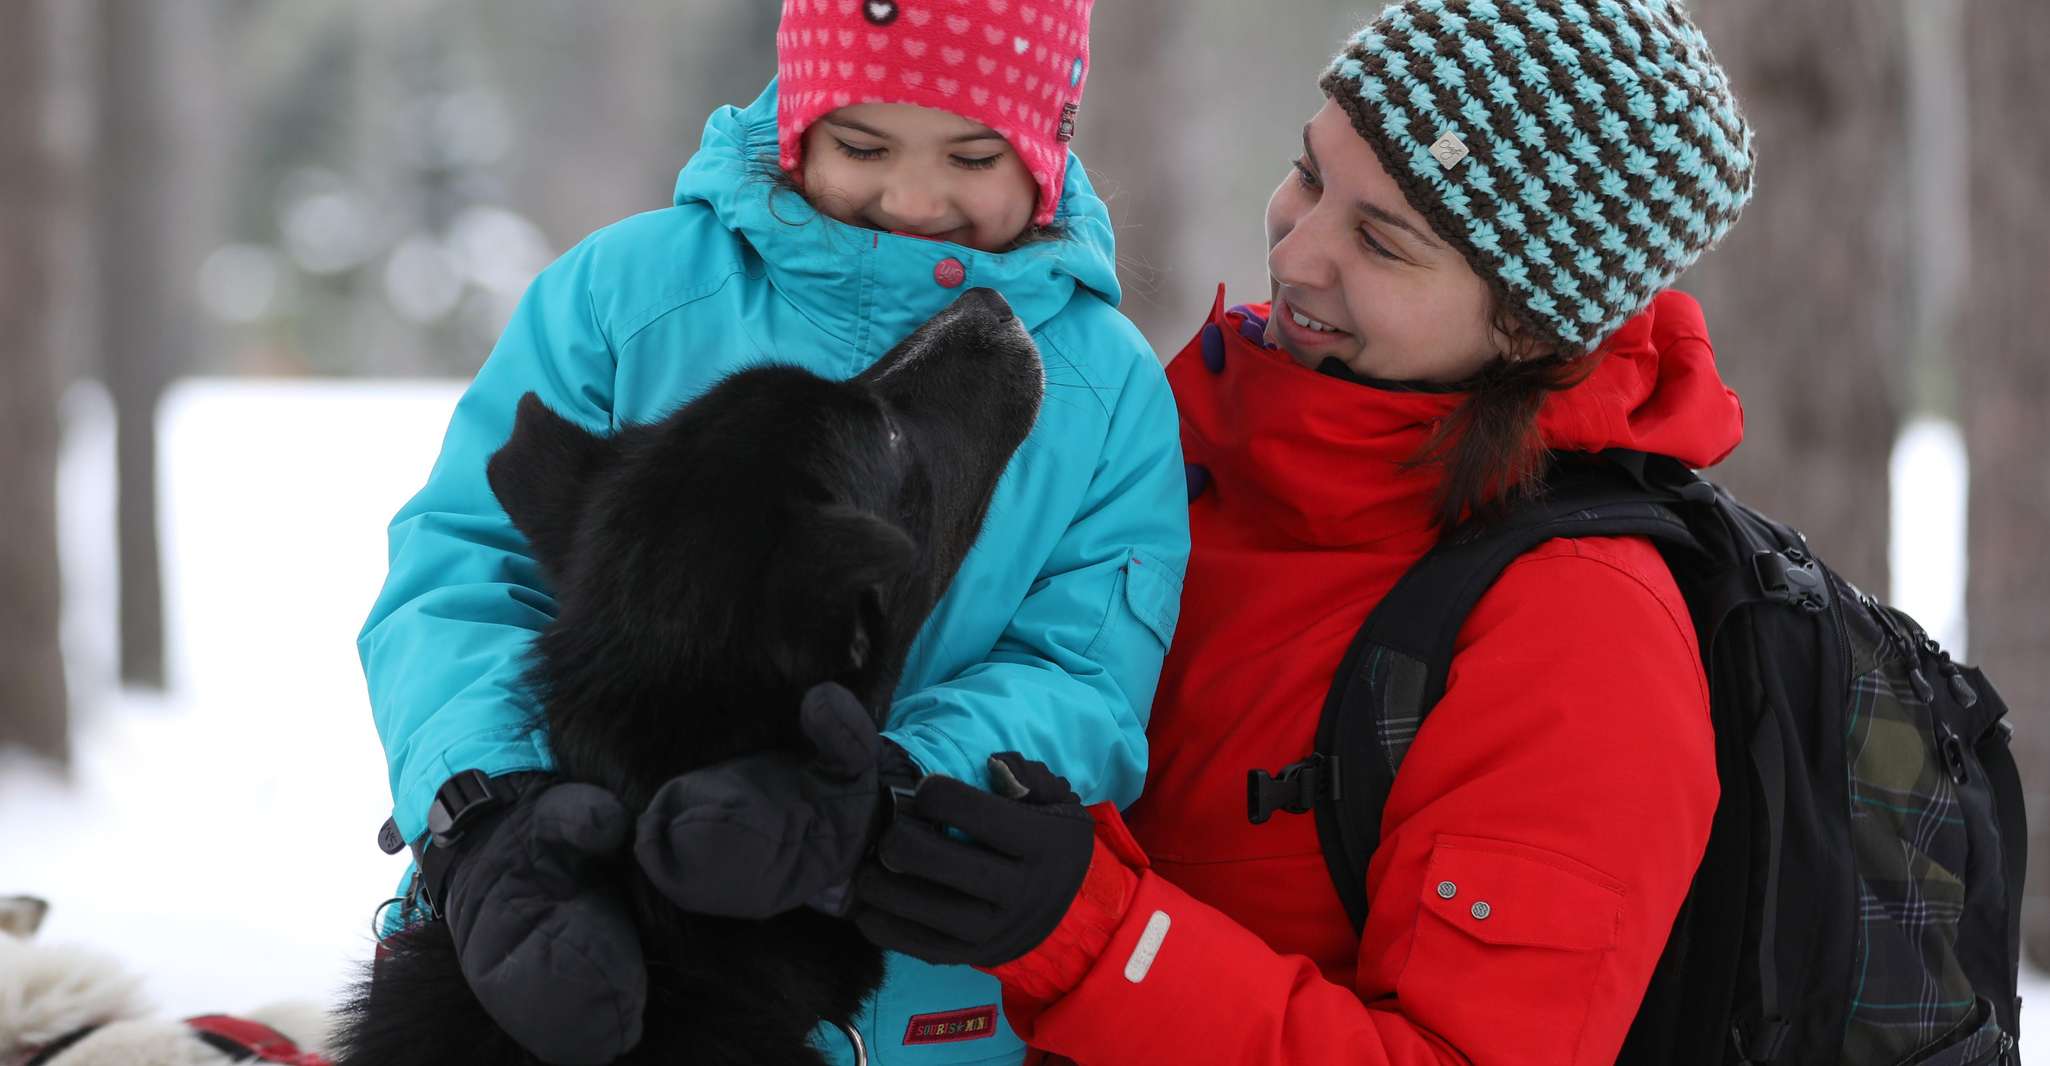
(221, 839)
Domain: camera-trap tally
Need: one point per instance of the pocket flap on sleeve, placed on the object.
(1513, 894)
(1154, 593)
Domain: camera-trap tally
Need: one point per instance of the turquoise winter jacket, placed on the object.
(1050, 639)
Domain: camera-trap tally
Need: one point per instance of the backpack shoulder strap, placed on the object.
(1396, 667)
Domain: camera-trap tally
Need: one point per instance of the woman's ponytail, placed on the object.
(1489, 446)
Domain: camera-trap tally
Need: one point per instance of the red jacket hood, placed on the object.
(1655, 389)
(1320, 460)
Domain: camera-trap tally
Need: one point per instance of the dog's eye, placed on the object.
(868, 617)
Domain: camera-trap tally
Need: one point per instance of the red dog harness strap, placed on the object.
(247, 1041)
(239, 1039)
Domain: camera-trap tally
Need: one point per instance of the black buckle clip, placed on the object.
(458, 800)
(457, 803)
(1296, 790)
(1791, 578)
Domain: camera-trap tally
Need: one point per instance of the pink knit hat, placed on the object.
(1016, 66)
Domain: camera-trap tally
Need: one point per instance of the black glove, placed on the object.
(542, 927)
(984, 900)
(758, 835)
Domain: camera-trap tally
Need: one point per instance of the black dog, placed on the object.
(780, 531)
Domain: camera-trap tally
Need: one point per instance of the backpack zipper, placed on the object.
(1960, 688)
(1948, 743)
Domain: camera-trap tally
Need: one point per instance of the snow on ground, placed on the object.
(220, 838)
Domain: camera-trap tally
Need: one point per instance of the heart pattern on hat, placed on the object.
(1016, 66)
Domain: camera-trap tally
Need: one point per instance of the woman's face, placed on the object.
(919, 171)
(1359, 275)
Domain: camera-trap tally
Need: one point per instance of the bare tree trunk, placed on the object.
(2005, 387)
(143, 201)
(600, 119)
(1187, 140)
(1807, 299)
(33, 711)
(1134, 147)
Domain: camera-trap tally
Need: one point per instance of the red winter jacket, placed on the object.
(1566, 780)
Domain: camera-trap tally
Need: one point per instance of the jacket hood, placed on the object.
(843, 276)
(1322, 461)
(1655, 389)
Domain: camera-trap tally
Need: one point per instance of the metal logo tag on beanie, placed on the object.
(1449, 150)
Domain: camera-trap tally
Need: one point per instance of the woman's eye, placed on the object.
(981, 163)
(852, 152)
(1303, 176)
(1375, 246)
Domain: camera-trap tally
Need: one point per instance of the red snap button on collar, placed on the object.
(950, 273)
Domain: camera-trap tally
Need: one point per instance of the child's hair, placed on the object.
(777, 180)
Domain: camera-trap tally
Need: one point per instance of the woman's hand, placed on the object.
(991, 897)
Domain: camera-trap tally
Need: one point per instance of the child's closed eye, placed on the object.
(854, 152)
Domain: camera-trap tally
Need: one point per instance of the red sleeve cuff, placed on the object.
(1059, 963)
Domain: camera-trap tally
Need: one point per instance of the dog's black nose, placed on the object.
(986, 300)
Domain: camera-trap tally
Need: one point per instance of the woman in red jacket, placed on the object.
(1469, 261)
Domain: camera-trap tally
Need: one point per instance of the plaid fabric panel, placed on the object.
(1908, 838)
(1397, 684)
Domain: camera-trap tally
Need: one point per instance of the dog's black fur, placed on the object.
(779, 531)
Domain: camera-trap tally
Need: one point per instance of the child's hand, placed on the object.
(759, 835)
(542, 928)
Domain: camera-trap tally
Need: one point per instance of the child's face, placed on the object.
(915, 170)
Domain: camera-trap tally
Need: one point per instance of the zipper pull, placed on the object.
(1961, 689)
(1923, 690)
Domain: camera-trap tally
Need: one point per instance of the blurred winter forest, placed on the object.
(329, 189)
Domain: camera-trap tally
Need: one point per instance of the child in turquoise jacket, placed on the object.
(825, 251)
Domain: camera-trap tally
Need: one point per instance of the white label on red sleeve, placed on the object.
(1148, 946)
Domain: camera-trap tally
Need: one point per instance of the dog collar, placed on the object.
(37, 1056)
(238, 1038)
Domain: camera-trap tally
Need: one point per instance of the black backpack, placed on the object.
(1860, 897)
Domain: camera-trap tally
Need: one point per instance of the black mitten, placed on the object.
(542, 927)
(759, 835)
(991, 897)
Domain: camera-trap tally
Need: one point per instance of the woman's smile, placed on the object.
(1305, 336)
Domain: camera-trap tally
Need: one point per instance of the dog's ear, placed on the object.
(21, 916)
(541, 477)
(880, 562)
(851, 569)
(859, 554)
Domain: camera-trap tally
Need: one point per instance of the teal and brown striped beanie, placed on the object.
(1579, 153)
